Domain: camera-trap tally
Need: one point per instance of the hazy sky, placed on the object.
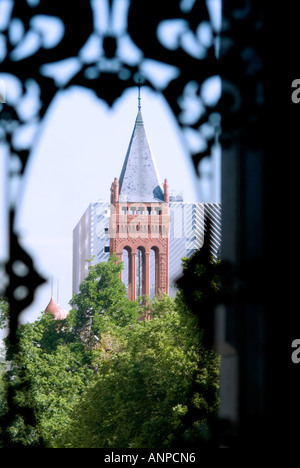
(79, 150)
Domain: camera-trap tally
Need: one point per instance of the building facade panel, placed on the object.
(147, 228)
(187, 227)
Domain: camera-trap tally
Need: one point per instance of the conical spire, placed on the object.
(139, 179)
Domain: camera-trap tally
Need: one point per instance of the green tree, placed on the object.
(105, 378)
(201, 289)
(57, 359)
(3, 407)
(141, 392)
(102, 303)
(47, 379)
(3, 312)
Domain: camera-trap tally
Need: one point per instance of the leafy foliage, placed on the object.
(56, 376)
(140, 396)
(104, 377)
(3, 312)
(102, 303)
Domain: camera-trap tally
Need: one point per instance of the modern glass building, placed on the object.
(138, 184)
(91, 239)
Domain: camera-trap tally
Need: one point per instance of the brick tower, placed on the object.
(139, 219)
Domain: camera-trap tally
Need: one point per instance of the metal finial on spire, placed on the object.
(139, 85)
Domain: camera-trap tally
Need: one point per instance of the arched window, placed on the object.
(154, 271)
(126, 261)
(140, 271)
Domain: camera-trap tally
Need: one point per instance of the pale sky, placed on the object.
(78, 152)
(81, 149)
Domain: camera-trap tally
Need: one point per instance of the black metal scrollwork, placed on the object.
(105, 46)
(46, 47)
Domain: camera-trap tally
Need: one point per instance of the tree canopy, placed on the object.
(3, 312)
(102, 303)
(106, 377)
(141, 392)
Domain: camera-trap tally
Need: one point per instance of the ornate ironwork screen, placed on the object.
(38, 37)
